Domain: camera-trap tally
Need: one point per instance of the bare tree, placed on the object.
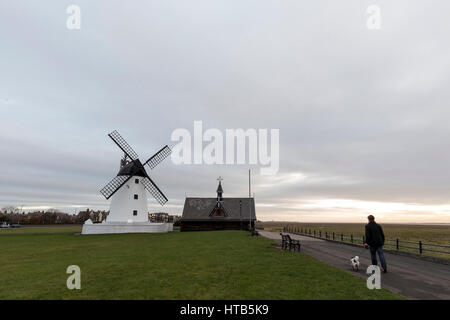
(11, 210)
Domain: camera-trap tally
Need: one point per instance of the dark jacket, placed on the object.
(374, 235)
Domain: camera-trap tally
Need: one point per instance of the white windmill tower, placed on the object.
(127, 191)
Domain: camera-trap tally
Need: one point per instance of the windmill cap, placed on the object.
(134, 168)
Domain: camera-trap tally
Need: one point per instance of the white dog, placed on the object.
(355, 263)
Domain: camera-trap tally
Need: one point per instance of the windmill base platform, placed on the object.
(125, 227)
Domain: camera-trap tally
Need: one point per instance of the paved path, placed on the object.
(410, 277)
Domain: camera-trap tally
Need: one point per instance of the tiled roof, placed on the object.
(201, 208)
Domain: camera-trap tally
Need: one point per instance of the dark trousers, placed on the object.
(373, 255)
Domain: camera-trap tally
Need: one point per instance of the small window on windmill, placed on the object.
(136, 180)
(136, 197)
(134, 212)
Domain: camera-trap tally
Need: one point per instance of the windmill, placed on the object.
(127, 190)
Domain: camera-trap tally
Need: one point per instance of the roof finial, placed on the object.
(219, 189)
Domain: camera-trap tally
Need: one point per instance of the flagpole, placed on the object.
(250, 199)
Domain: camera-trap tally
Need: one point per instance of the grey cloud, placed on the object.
(362, 113)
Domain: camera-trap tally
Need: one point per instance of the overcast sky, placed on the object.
(363, 114)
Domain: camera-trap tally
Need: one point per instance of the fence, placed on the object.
(395, 244)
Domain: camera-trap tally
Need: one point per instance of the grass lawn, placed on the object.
(192, 265)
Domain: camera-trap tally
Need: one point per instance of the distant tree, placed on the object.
(64, 218)
(12, 215)
(16, 218)
(10, 209)
(35, 219)
(4, 217)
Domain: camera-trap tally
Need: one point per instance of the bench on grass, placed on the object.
(288, 242)
(255, 233)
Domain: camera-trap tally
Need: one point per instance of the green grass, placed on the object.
(39, 229)
(192, 265)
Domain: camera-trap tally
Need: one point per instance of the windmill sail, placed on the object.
(123, 145)
(135, 168)
(154, 190)
(158, 157)
(114, 185)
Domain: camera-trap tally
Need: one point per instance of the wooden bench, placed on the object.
(288, 242)
(284, 241)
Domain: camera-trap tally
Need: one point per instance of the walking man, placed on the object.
(375, 241)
